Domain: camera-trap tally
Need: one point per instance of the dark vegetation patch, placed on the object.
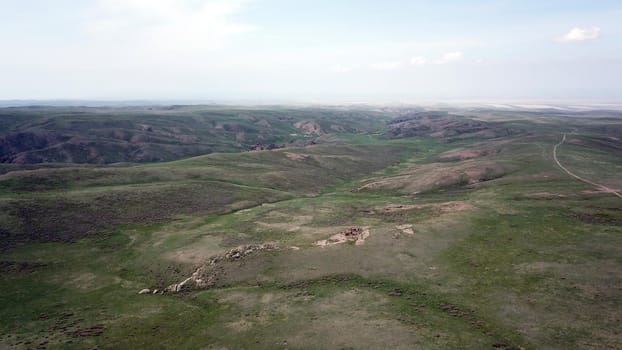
(66, 218)
(142, 134)
(599, 218)
(12, 267)
(447, 127)
(611, 145)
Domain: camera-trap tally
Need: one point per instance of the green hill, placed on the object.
(395, 228)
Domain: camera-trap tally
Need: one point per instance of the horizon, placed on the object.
(566, 105)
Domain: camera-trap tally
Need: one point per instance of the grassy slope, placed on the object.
(149, 134)
(535, 265)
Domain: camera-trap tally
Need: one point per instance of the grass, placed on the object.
(154, 134)
(529, 261)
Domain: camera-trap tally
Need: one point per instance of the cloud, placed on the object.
(340, 68)
(389, 65)
(581, 34)
(167, 24)
(450, 57)
(418, 61)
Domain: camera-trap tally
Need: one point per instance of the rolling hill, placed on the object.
(365, 228)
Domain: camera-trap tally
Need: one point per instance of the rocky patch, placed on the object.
(309, 128)
(207, 275)
(355, 234)
(406, 228)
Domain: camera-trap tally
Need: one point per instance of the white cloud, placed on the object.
(450, 57)
(167, 24)
(389, 65)
(418, 61)
(581, 34)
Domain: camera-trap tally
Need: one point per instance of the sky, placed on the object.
(311, 50)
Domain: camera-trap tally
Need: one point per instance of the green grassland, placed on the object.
(477, 240)
(88, 135)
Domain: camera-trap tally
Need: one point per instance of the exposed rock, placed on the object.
(396, 292)
(406, 228)
(144, 291)
(309, 128)
(353, 234)
(207, 275)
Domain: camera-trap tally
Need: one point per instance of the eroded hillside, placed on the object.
(155, 134)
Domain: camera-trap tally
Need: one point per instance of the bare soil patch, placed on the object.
(85, 280)
(406, 228)
(280, 226)
(434, 176)
(296, 156)
(477, 150)
(446, 207)
(352, 234)
(602, 190)
(309, 127)
(544, 195)
(462, 154)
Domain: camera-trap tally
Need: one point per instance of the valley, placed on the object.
(222, 227)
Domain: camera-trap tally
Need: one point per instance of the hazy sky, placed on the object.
(316, 50)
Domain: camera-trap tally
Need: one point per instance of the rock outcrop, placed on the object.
(207, 275)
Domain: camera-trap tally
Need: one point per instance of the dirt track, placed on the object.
(601, 187)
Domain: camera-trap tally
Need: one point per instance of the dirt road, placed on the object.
(599, 186)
